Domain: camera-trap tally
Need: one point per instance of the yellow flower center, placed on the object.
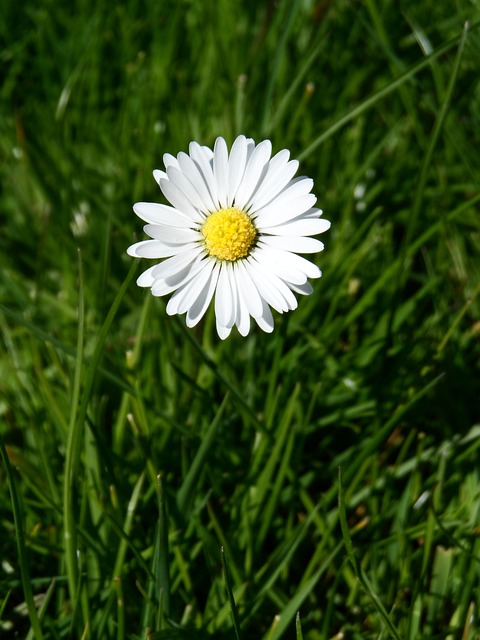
(229, 234)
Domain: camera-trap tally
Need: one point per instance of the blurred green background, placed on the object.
(376, 373)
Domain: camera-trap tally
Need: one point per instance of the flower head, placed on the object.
(237, 223)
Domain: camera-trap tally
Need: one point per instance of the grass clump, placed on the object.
(160, 483)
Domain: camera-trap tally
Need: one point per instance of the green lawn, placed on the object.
(157, 482)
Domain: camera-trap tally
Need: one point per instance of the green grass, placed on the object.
(159, 483)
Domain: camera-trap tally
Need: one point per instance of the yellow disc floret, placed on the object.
(229, 234)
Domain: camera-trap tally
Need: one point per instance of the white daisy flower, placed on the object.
(235, 227)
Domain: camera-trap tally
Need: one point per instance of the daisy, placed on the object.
(237, 223)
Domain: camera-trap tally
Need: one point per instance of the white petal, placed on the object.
(265, 321)
(191, 171)
(265, 287)
(162, 287)
(247, 290)
(220, 170)
(186, 188)
(274, 286)
(242, 317)
(197, 310)
(172, 235)
(156, 249)
(187, 295)
(300, 227)
(236, 167)
(224, 303)
(294, 261)
(283, 209)
(279, 160)
(294, 190)
(158, 175)
(223, 332)
(298, 245)
(253, 173)
(277, 164)
(273, 261)
(314, 212)
(283, 289)
(208, 152)
(161, 214)
(174, 265)
(169, 161)
(198, 155)
(276, 179)
(304, 289)
(179, 200)
(234, 293)
(250, 148)
(146, 279)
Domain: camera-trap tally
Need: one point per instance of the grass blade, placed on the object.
(376, 97)
(187, 491)
(361, 576)
(75, 434)
(21, 547)
(162, 574)
(231, 599)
